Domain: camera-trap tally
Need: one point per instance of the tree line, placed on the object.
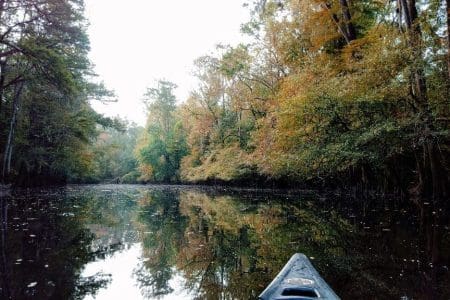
(46, 79)
(329, 92)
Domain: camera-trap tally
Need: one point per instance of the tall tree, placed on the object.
(163, 144)
(45, 83)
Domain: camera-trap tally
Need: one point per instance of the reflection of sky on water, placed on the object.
(121, 266)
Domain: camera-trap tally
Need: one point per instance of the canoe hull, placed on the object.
(298, 280)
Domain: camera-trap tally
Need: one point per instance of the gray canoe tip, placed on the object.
(298, 280)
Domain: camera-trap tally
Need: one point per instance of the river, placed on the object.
(175, 242)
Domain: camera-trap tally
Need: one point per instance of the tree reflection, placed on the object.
(219, 245)
(227, 247)
(162, 229)
(235, 248)
(45, 247)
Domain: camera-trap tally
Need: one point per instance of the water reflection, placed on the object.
(162, 228)
(101, 242)
(44, 248)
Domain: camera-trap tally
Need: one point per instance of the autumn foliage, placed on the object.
(329, 92)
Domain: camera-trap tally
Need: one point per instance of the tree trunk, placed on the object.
(439, 176)
(2, 82)
(408, 7)
(432, 177)
(350, 29)
(8, 148)
(415, 41)
(8, 164)
(448, 37)
(343, 28)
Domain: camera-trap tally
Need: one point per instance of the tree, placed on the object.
(327, 88)
(45, 84)
(163, 143)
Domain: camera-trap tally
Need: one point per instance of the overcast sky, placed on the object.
(135, 42)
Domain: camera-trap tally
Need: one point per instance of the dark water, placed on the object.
(136, 242)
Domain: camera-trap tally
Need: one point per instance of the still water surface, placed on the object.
(162, 242)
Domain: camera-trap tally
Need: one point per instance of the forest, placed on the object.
(327, 93)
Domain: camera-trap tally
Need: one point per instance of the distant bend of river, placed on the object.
(172, 242)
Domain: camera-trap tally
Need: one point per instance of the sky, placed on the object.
(136, 42)
(121, 266)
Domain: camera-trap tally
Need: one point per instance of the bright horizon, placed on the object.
(134, 45)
